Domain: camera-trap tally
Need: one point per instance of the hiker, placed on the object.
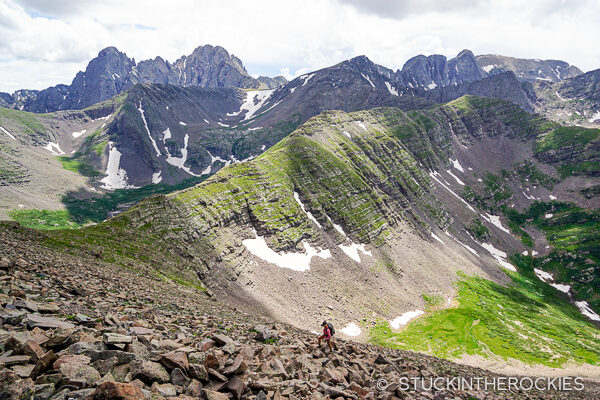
(327, 335)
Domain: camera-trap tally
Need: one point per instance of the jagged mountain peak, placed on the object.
(112, 72)
(465, 52)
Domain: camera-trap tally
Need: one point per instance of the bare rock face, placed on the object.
(112, 72)
(436, 70)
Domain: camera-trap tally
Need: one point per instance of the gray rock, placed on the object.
(149, 371)
(38, 321)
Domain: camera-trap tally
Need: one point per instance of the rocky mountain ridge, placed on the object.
(112, 72)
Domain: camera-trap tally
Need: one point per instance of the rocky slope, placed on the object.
(574, 101)
(70, 329)
(112, 72)
(527, 69)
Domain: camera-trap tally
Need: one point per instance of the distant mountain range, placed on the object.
(112, 72)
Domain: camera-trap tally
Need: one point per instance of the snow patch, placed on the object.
(391, 89)
(205, 120)
(434, 176)
(560, 97)
(495, 220)
(182, 123)
(551, 197)
(499, 255)
(224, 125)
(106, 118)
(488, 68)
(156, 178)
(294, 261)
(433, 235)
(166, 134)
(141, 110)
(337, 227)
(367, 78)
(213, 159)
(561, 287)
(351, 329)
(585, 309)
(432, 85)
(405, 318)
(77, 134)
(54, 148)
(306, 78)
(353, 249)
(253, 102)
(595, 117)
(543, 275)
(347, 134)
(8, 133)
(528, 197)
(457, 165)
(472, 250)
(179, 162)
(308, 213)
(455, 178)
(116, 177)
(361, 124)
(547, 216)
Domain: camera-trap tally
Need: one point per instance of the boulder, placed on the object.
(199, 372)
(117, 391)
(33, 349)
(165, 390)
(115, 338)
(34, 320)
(221, 340)
(79, 375)
(73, 359)
(175, 360)
(236, 386)
(212, 395)
(179, 378)
(149, 372)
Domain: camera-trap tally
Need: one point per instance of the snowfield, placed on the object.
(253, 102)
(391, 89)
(405, 318)
(294, 261)
(141, 110)
(116, 177)
(499, 255)
(54, 148)
(351, 329)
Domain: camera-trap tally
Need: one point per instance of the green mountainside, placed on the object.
(364, 178)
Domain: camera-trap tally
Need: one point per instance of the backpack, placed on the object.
(330, 326)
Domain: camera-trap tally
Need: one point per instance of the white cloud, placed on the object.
(45, 43)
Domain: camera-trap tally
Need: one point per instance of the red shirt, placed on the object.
(326, 332)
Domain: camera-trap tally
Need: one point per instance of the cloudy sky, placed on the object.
(44, 42)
